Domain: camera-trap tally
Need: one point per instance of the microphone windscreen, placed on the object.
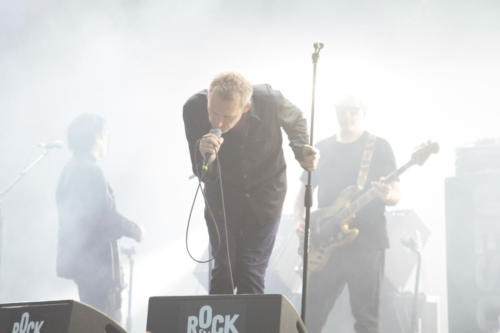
(216, 131)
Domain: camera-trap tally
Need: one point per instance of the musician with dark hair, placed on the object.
(89, 223)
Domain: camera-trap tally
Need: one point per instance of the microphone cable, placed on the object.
(200, 188)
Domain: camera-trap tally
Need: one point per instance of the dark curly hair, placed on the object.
(83, 132)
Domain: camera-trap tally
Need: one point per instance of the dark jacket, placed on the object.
(89, 224)
(252, 161)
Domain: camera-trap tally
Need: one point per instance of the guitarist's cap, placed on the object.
(349, 103)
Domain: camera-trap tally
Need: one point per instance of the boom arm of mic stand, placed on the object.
(6, 190)
(23, 173)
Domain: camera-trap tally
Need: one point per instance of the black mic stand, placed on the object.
(16, 180)
(413, 246)
(130, 252)
(308, 190)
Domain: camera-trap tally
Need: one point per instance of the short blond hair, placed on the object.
(229, 85)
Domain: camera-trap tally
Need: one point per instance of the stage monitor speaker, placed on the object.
(473, 252)
(460, 257)
(65, 316)
(223, 314)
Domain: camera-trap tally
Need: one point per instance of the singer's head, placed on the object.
(87, 135)
(229, 98)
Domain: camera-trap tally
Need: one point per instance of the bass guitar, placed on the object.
(330, 226)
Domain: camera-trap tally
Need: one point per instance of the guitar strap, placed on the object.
(366, 160)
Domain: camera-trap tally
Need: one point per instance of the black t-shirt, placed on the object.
(338, 168)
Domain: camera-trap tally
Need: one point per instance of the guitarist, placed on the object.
(360, 263)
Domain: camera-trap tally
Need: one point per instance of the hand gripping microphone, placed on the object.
(218, 133)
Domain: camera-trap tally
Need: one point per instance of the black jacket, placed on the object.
(252, 161)
(89, 224)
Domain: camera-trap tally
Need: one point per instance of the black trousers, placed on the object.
(101, 295)
(250, 247)
(362, 272)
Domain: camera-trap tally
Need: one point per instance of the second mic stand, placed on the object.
(413, 246)
(130, 252)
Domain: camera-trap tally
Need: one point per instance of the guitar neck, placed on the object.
(396, 173)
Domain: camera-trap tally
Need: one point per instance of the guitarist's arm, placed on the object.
(388, 193)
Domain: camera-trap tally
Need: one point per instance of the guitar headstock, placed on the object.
(424, 151)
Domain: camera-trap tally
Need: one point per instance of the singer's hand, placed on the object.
(311, 158)
(210, 144)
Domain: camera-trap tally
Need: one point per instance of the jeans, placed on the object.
(362, 271)
(250, 247)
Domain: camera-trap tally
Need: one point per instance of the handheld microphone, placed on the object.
(218, 133)
(51, 145)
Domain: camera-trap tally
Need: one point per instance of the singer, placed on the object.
(89, 224)
(250, 154)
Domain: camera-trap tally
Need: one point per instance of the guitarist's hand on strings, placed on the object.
(388, 193)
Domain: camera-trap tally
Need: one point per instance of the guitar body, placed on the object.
(330, 228)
